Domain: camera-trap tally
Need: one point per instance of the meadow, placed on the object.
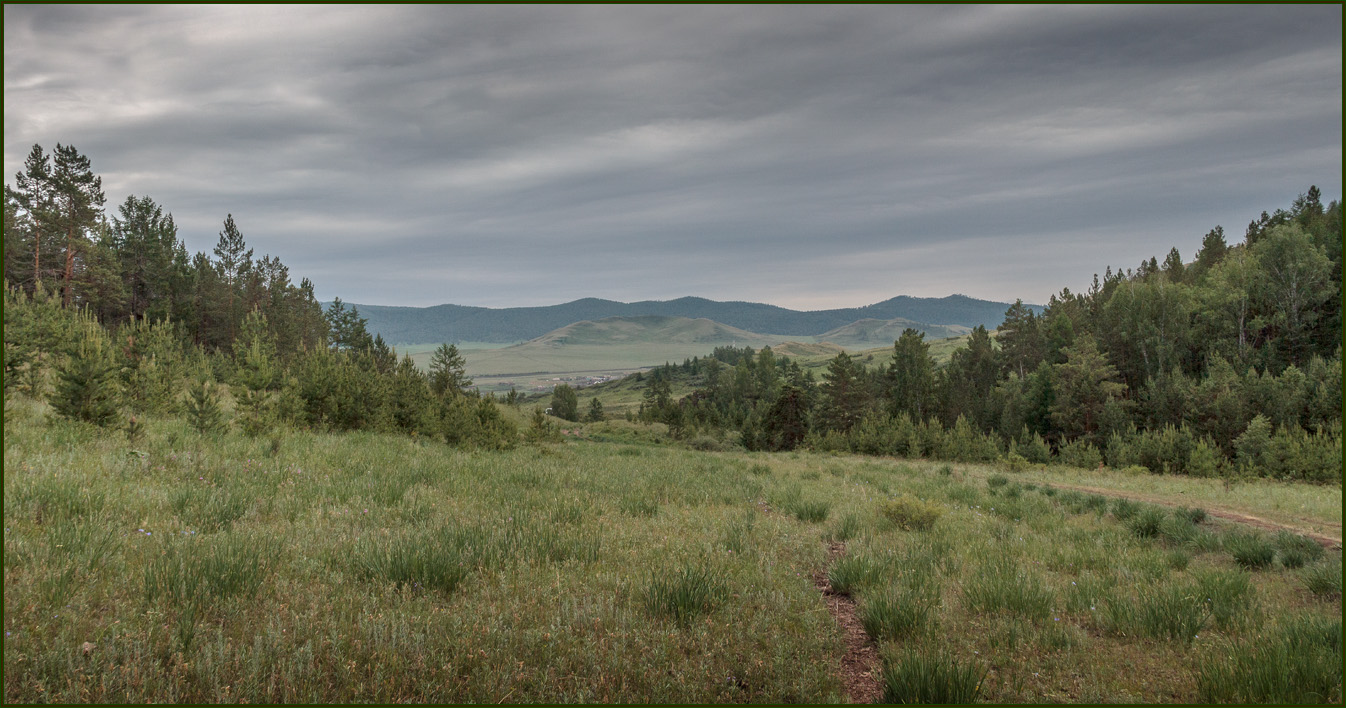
(618, 566)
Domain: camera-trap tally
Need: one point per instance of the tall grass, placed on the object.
(1250, 549)
(899, 611)
(1323, 579)
(1001, 586)
(931, 677)
(1174, 613)
(1299, 664)
(683, 593)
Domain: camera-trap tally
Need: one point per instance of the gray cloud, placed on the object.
(801, 155)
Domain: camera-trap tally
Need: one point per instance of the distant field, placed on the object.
(544, 362)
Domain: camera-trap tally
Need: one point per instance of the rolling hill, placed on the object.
(654, 329)
(458, 323)
(871, 332)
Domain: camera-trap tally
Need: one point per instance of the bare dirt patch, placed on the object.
(860, 663)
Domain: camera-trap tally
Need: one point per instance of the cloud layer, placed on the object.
(806, 156)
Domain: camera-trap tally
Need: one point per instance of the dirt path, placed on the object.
(860, 664)
(1216, 512)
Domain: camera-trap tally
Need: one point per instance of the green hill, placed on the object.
(652, 329)
(457, 323)
(871, 332)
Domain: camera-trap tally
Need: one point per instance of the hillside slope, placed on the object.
(871, 332)
(458, 323)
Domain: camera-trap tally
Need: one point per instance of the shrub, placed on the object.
(910, 513)
(1080, 453)
(996, 480)
(684, 593)
(931, 678)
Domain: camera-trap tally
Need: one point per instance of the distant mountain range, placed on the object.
(458, 323)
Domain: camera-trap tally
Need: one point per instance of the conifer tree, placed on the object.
(203, 407)
(448, 375)
(595, 411)
(843, 398)
(87, 385)
(77, 201)
(911, 376)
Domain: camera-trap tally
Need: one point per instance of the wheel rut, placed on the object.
(1217, 512)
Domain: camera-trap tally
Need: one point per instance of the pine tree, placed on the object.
(1083, 385)
(448, 371)
(77, 196)
(843, 396)
(258, 373)
(1020, 340)
(232, 267)
(595, 411)
(88, 386)
(35, 199)
(911, 376)
(203, 408)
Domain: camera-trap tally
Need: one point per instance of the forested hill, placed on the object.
(457, 323)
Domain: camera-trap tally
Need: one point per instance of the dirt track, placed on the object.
(1219, 513)
(860, 664)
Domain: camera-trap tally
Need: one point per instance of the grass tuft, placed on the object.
(683, 593)
(1298, 665)
(931, 678)
(1323, 579)
(1250, 549)
(898, 612)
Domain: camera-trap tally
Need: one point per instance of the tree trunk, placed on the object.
(69, 268)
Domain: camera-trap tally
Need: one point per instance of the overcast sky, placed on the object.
(805, 156)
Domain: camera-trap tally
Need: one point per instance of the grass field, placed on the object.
(376, 568)
(527, 366)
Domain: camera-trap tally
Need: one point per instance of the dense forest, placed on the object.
(1227, 364)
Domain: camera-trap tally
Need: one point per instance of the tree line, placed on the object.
(1226, 364)
(1229, 363)
(107, 316)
